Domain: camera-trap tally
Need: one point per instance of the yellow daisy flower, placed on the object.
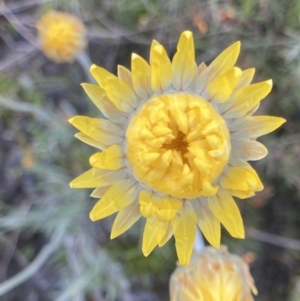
(175, 145)
(213, 275)
(62, 36)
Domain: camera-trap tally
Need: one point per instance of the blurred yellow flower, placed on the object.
(61, 36)
(213, 275)
(175, 145)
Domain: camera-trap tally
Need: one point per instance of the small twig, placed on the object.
(23, 6)
(16, 57)
(27, 108)
(11, 246)
(27, 35)
(74, 264)
(23, 263)
(284, 141)
(35, 265)
(118, 31)
(273, 239)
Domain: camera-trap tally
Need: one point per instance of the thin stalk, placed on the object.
(85, 63)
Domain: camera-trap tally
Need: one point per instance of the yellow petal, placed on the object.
(183, 64)
(252, 111)
(161, 130)
(121, 94)
(97, 178)
(186, 43)
(225, 209)
(147, 206)
(149, 238)
(107, 108)
(249, 150)
(141, 75)
(167, 235)
(184, 227)
(243, 178)
(125, 219)
(178, 113)
(101, 75)
(88, 140)
(246, 78)
(224, 62)
(147, 159)
(101, 130)
(151, 235)
(99, 192)
(153, 44)
(117, 197)
(125, 75)
(162, 232)
(166, 208)
(245, 99)
(118, 91)
(161, 69)
(220, 89)
(111, 158)
(209, 189)
(194, 294)
(256, 126)
(201, 68)
(227, 59)
(241, 194)
(207, 222)
(155, 174)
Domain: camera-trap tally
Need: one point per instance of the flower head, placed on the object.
(175, 145)
(61, 36)
(213, 275)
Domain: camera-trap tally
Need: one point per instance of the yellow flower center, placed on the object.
(177, 144)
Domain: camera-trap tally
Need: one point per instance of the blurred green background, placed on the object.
(47, 242)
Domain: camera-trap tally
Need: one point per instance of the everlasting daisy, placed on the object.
(62, 36)
(175, 145)
(213, 275)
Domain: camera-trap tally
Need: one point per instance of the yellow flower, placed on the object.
(175, 145)
(213, 275)
(61, 36)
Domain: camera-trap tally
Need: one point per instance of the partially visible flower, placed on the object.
(213, 275)
(227, 14)
(27, 157)
(199, 20)
(175, 145)
(61, 36)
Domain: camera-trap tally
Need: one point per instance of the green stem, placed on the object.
(85, 63)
